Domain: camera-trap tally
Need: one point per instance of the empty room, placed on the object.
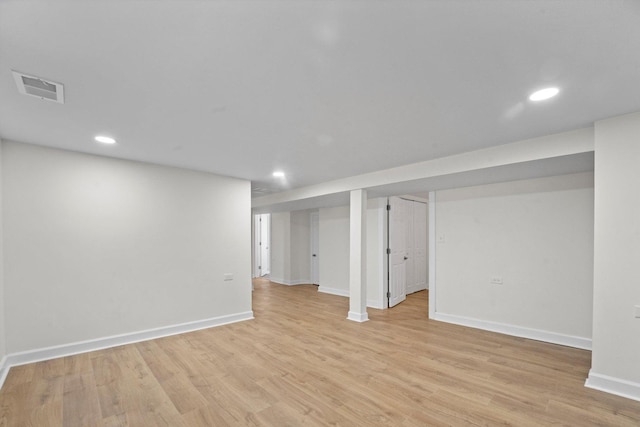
(309, 212)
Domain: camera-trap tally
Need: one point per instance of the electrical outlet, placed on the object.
(496, 280)
(228, 277)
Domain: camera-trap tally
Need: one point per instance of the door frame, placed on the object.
(257, 253)
(431, 236)
(390, 251)
(314, 251)
(261, 222)
(430, 244)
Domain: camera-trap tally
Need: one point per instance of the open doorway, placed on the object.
(262, 244)
(407, 254)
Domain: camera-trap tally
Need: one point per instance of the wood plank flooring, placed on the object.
(300, 362)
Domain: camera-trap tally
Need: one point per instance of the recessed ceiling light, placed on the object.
(105, 139)
(543, 94)
(278, 174)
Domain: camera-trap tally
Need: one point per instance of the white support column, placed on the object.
(616, 294)
(358, 257)
(432, 254)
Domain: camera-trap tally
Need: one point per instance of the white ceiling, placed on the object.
(320, 89)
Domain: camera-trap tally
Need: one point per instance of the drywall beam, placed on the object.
(546, 147)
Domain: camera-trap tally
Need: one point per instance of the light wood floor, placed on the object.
(300, 362)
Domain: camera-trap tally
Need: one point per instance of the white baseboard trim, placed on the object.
(358, 317)
(38, 355)
(291, 282)
(517, 331)
(333, 291)
(613, 385)
(413, 291)
(371, 303)
(4, 370)
(300, 282)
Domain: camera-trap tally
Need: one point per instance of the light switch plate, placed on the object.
(637, 311)
(228, 276)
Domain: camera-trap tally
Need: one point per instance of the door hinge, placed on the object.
(388, 294)
(388, 207)
(388, 251)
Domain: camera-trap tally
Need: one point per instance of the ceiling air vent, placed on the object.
(40, 88)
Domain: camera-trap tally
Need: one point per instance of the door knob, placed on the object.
(313, 255)
(406, 258)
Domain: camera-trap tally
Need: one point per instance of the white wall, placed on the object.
(3, 348)
(616, 332)
(537, 235)
(333, 231)
(290, 248)
(334, 251)
(376, 253)
(280, 266)
(96, 246)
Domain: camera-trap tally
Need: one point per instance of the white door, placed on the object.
(397, 251)
(420, 245)
(265, 243)
(315, 246)
(410, 242)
